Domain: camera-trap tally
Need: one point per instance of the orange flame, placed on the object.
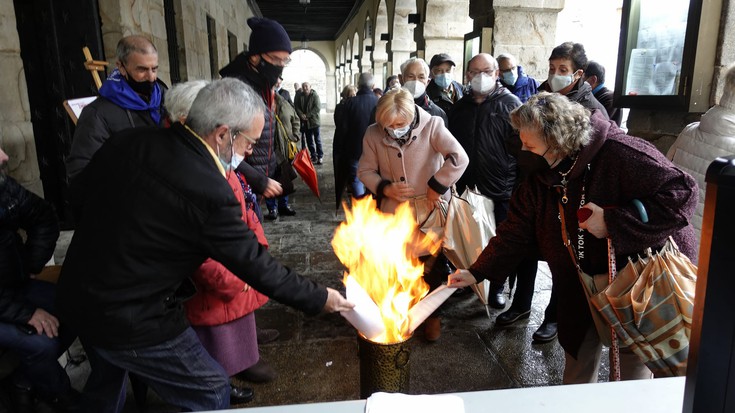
(376, 249)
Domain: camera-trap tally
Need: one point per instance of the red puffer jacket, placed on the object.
(220, 296)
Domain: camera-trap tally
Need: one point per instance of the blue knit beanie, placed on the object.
(267, 36)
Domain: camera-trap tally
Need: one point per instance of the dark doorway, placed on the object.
(52, 34)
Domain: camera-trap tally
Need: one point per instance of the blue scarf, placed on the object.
(118, 91)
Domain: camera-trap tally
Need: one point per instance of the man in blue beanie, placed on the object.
(260, 67)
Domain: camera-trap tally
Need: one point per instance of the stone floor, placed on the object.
(316, 358)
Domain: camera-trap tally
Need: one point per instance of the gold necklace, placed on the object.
(564, 181)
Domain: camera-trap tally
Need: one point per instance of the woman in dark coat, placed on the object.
(584, 160)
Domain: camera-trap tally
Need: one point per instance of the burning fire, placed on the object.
(376, 249)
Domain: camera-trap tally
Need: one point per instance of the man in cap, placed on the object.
(443, 89)
(156, 203)
(515, 79)
(261, 67)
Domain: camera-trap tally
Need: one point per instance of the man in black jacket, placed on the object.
(260, 67)
(443, 89)
(480, 122)
(28, 326)
(131, 96)
(594, 75)
(155, 204)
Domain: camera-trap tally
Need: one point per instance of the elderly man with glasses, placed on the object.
(260, 67)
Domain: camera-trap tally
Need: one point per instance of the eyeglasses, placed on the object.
(247, 138)
(488, 72)
(278, 61)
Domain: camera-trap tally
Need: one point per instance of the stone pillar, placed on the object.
(532, 46)
(378, 73)
(445, 25)
(331, 91)
(402, 43)
(16, 129)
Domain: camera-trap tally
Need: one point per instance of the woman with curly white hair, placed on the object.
(581, 160)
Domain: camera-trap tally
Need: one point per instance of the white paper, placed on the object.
(424, 308)
(365, 316)
(397, 402)
(76, 105)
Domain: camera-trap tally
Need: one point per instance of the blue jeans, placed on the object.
(312, 136)
(38, 354)
(179, 370)
(281, 202)
(358, 188)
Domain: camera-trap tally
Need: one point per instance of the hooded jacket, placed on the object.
(582, 94)
(525, 86)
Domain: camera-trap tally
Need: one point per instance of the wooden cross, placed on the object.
(94, 66)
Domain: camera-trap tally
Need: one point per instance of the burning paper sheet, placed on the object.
(366, 318)
(397, 402)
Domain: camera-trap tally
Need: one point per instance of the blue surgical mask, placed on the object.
(510, 77)
(398, 133)
(443, 80)
(559, 82)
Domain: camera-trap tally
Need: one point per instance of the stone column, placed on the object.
(331, 91)
(445, 25)
(531, 46)
(378, 73)
(16, 129)
(402, 43)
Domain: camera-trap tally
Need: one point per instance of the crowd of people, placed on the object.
(169, 258)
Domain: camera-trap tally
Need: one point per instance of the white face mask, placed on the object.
(415, 87)
(559, 82)
(483, 83)
(237, 159)
(398, 133)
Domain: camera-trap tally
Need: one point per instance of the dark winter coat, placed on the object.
(97, 122)
(22, 209)
(614, 169)
(436, 94)
(155, 206)
(605, 97)
(485, 133)
(357, 115)
(426, 104)
(525, 86)
(309, 105)
(582, 94)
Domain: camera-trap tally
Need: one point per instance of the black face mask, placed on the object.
(531, 163)
(142, 88)
(270, 72)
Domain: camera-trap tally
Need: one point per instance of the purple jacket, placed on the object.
(613, 169)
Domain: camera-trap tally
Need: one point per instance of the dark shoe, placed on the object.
(511, 316)
(496, 300)
(286, 210)
(432, 328)
(272, 214)
(22, 399)
(240, 395)
(545, 333)
(320, 161)
(266, 335)
(261, 372)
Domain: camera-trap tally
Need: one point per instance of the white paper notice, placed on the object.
(419, 312)
(397, 402)
(365, 316)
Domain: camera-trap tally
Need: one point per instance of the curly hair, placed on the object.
(564, 125)
(396, 104)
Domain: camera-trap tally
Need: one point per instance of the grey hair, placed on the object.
(564, 125)
(506, 56)
(134, 44)
(413, 60)
(180, 97)
(226, 101)
(366, 80)
(728, 93)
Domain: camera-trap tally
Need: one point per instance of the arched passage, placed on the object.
(356, 57)
(309, 66)
(380, 52)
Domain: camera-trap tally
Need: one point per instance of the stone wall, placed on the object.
(16, 130)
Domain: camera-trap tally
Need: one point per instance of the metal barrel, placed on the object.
(384, 367)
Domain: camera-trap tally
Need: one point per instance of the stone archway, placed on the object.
(402, 43)
(367, 44)
(356, 58)
(310, 65)
(380, 50)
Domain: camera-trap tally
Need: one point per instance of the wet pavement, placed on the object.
(316, 358)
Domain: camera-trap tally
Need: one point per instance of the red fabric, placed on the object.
(220, 297)
(302, 164)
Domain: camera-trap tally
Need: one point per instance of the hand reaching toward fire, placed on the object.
(335, 302)
(461, 278)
